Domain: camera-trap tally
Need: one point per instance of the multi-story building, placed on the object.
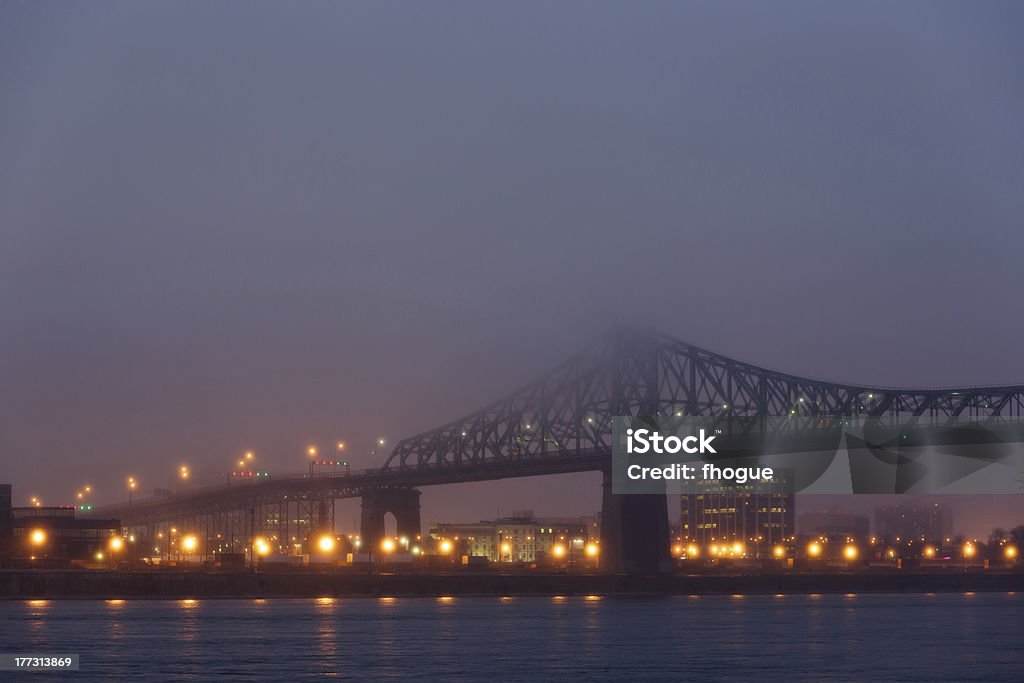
(53, 533)
(930, 522)
(756, 521)
(834, 523)
(519, 538)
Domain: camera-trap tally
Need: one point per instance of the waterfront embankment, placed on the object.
(53, 584)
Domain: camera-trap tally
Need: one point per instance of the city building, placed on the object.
(834, 523)
(518, 538)
(754, 522)
(55, 533)
(930, 522)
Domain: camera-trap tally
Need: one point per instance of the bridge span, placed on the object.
(562, 423)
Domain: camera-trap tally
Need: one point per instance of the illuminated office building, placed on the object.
(758, 521)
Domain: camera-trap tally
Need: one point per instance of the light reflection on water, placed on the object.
(771, 637)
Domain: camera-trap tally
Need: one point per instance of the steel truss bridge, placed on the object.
(562, 423)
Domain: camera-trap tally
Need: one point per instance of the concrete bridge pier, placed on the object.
(635, 534)
(403, 502)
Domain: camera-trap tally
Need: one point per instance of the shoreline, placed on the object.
(85, 584)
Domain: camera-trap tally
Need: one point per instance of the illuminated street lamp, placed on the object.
(969, 550)
(189, 543)
(1010, 552)
(326, 544)
(814, 550)
(35, 501)
(850, 552)
(183, 472)
(779, 552)
(388, 545)
(261, 546)
(380, 444)
(691, 550)
(593, 550)
(132, 484)
(558, 550)
(116, 544)
(37, 537)
(445, 547)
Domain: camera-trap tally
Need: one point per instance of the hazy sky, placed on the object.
(229, 226)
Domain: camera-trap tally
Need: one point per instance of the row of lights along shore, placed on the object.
(817, 549)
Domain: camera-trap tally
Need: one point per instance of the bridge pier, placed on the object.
(402, 502)
(634, 532)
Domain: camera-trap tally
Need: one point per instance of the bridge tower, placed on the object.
(634, 528)
(401, 501)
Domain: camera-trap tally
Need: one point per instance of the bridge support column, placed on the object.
(634, 532)
(403, 503)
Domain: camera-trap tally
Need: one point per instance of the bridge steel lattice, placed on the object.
(562, 423)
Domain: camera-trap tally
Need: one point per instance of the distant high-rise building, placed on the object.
(758, 520)
(833, 523)
(922, 522)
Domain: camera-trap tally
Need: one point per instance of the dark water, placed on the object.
(828, 637)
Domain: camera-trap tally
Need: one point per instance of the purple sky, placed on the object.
(228, 229)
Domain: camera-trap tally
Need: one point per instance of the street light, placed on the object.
(1010, 552)
(183, 472)
(850, 552)
(388, 545)
(116, 544)
(814, 550)
(131, 488)
(189, 543)
(37, 537)
(380, 443)
(445, 547)
(779, 552)
(326, 544)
